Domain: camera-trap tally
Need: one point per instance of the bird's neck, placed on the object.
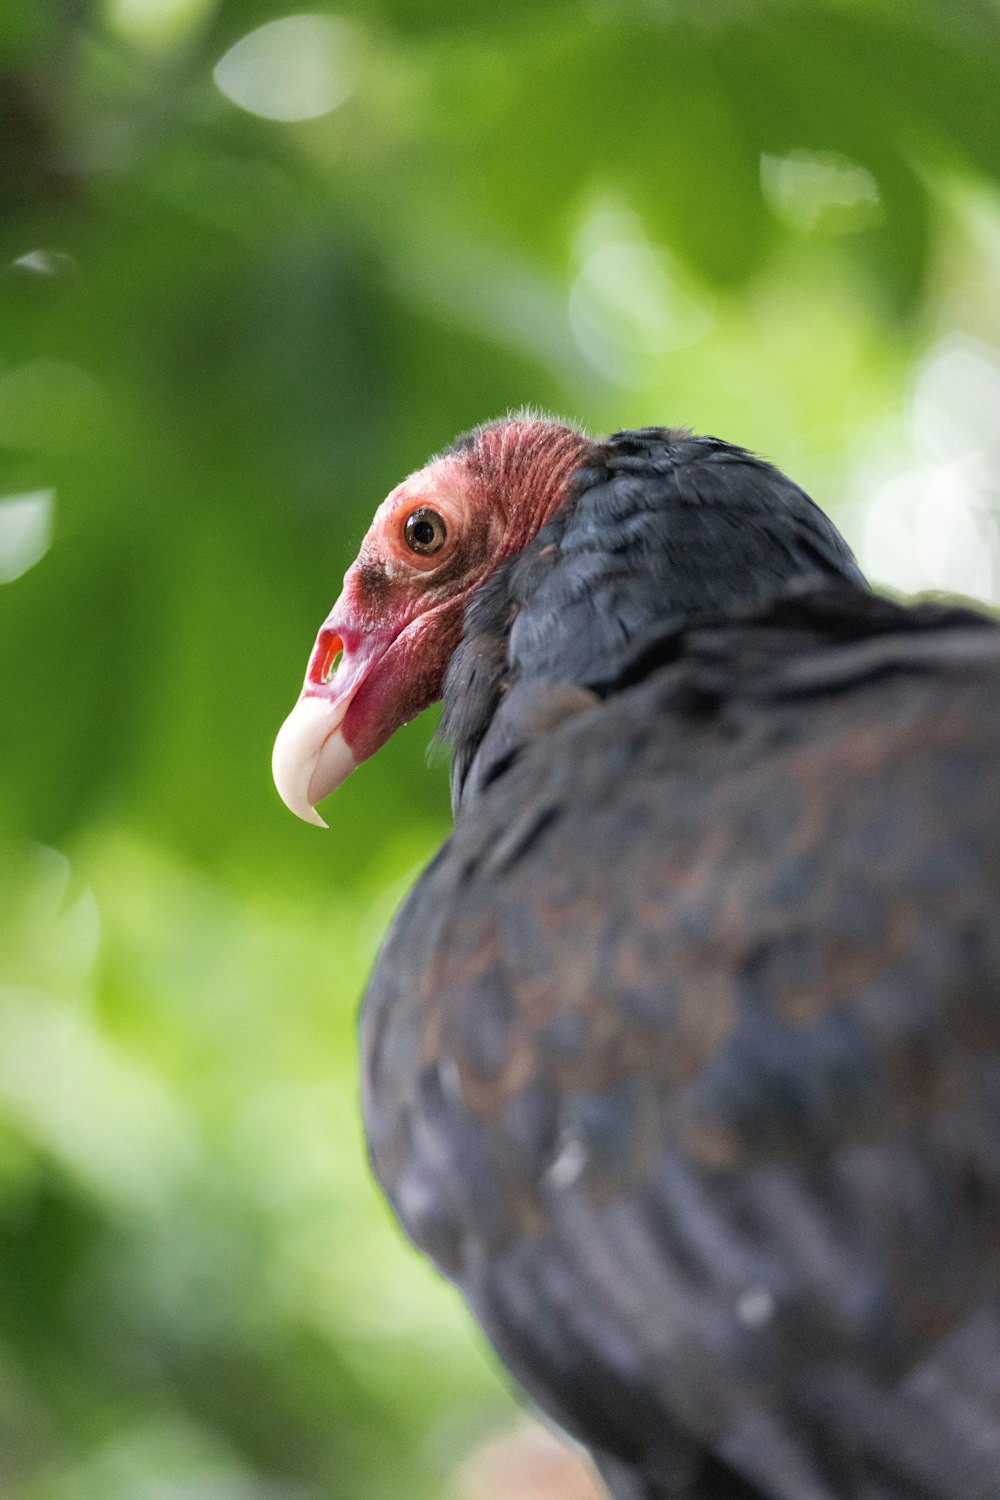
(654, 530)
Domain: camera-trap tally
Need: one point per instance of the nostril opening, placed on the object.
(327, 658)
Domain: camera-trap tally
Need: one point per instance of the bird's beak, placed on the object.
(311, 758)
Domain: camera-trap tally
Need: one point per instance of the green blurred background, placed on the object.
(255, 266)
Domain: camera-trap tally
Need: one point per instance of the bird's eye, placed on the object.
(424, 532)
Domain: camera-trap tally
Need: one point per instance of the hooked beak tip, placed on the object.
(310, 758)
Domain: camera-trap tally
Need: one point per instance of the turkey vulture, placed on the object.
(683, 1057)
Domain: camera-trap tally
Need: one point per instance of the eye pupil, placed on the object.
(425, 532)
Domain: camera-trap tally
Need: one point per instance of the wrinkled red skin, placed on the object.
(399, 616)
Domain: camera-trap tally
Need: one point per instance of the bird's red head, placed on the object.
(382, 652)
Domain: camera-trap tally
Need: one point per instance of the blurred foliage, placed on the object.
(224, 335)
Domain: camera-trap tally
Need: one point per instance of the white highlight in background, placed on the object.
(156, 23)
(820, 190)
(925, 529)
(955, 405)
(25, 531)
(628, 302)
(296, 68)
(931, 520)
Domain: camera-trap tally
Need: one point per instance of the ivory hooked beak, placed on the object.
(310, 757)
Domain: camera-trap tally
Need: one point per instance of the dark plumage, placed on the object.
(683, 1057)
(661, 527)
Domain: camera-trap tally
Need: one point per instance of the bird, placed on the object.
(682, 1058)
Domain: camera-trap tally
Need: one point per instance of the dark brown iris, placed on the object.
(424, 532)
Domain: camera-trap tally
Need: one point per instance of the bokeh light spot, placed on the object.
(955, 404)
(628, 303)
(43, 262)
(293, 69)
(25, 531)
(821, 190)
(924, 529)
(930, 505)
(156, 23)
